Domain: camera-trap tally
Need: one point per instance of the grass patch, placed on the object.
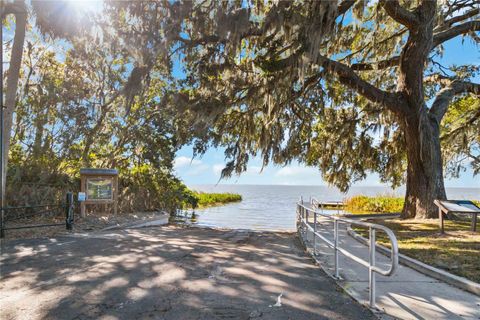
(214, 199)
(457, 251)
(379, 204)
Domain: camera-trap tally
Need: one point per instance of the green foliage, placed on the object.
(278, 80)
(382, 204)
(205, 199)
(288, 81)
(71, 113)
(461, 136)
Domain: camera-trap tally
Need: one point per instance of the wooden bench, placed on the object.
(457, 206)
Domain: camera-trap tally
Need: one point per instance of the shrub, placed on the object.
(205, 199)
(384, 204)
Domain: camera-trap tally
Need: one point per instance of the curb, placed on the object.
(426, 269)
(138, 224)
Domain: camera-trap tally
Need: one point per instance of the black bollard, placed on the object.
(69, 211)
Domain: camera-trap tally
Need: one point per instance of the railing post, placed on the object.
(2, 222)
(299, 218)
(314, 232)
(296, 216)
(306, 225)
(301, 221)
(69, 211)
(371, 272)
(335, 246)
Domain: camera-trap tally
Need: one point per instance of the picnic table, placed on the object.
(457, 206)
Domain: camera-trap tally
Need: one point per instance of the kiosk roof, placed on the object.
(98, 172)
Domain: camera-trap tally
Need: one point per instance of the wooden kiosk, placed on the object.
(100, 186)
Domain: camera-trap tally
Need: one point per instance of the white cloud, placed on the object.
(198, 169)
(254, 169)
(182, 162)
(217, 169)
(296, 171)
(186, 166)
(251, 170)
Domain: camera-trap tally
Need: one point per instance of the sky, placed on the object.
(207, 169)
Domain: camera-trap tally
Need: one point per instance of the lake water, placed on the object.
(273, 207)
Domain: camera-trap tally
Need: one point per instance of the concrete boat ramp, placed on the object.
(156, 271)
(168, 272)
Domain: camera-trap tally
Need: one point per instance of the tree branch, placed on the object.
(457, 30)
(469, 122)
(382, 64)
(399, 13)
(345, 75)
(448, 23)
(349, 78)
(438, 39)
(16, 7)
(344, 6)
(445, 96)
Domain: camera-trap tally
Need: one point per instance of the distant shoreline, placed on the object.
(309, 185)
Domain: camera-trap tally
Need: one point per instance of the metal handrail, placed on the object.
(303, 212)
(317, 204)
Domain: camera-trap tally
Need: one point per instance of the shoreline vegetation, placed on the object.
(378, 204)
(206, 199)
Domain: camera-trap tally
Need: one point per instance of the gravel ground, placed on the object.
(168, 272)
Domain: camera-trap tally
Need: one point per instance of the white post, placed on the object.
(335, 246)
(371, 273)
(306, 226)
(314, 232)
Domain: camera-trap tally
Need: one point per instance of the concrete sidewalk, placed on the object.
(407, 294)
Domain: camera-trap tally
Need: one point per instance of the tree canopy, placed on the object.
(73, 110)
(350, 87)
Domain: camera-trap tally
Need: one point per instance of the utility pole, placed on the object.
(2, 148)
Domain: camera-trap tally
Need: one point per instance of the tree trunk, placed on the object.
(13, 75)
(425, 170)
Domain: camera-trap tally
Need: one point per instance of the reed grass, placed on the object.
(378, 204)
(206, 199)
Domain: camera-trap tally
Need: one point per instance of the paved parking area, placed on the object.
(168, 272)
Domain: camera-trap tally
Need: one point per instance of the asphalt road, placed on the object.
(168, 272)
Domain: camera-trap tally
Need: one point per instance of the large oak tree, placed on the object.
(348, 86)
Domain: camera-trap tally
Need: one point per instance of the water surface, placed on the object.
(273, 207)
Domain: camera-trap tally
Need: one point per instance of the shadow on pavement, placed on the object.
(168, 272)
